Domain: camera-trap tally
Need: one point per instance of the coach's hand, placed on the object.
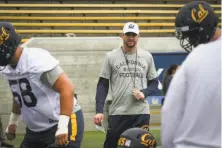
(10, 132)
(98, 119)
(138, 94)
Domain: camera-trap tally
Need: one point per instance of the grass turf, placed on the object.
(91, 139)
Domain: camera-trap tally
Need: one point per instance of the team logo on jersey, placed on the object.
(52, 121)
(3, 36)
(199, 15)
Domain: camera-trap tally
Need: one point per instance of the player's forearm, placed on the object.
(15, 114)
(66, 101)
(66, 90)
(16, 108)
(101, 94)
(152, 86)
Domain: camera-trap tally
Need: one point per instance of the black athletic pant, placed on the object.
(45, 138)
(117, 124)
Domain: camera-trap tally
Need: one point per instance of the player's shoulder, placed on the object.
(202, 55)
(33, 51)
(205, 50)
(210, 47)
(37, 60)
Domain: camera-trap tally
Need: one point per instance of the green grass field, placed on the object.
(90, 140)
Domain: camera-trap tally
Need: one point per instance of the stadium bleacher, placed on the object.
(100, 18)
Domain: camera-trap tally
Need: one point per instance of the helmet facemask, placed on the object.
(7, 52)
(188, 39)
(193, 37)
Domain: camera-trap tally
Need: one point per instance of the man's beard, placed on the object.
(130, 46)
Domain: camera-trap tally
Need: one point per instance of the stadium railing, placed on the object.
(99, 5)
(92, 31)
(71, 18)
(91, 24)
(92, 11)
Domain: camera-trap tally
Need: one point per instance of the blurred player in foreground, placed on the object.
(42, 92)
(191, 114)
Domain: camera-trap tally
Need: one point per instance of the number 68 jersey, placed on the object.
(39, 103)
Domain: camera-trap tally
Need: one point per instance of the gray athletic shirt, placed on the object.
(116, 70)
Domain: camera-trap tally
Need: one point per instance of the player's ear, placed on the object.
(122, 35)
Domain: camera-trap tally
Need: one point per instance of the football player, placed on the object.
(43, 94)
(191, 114)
